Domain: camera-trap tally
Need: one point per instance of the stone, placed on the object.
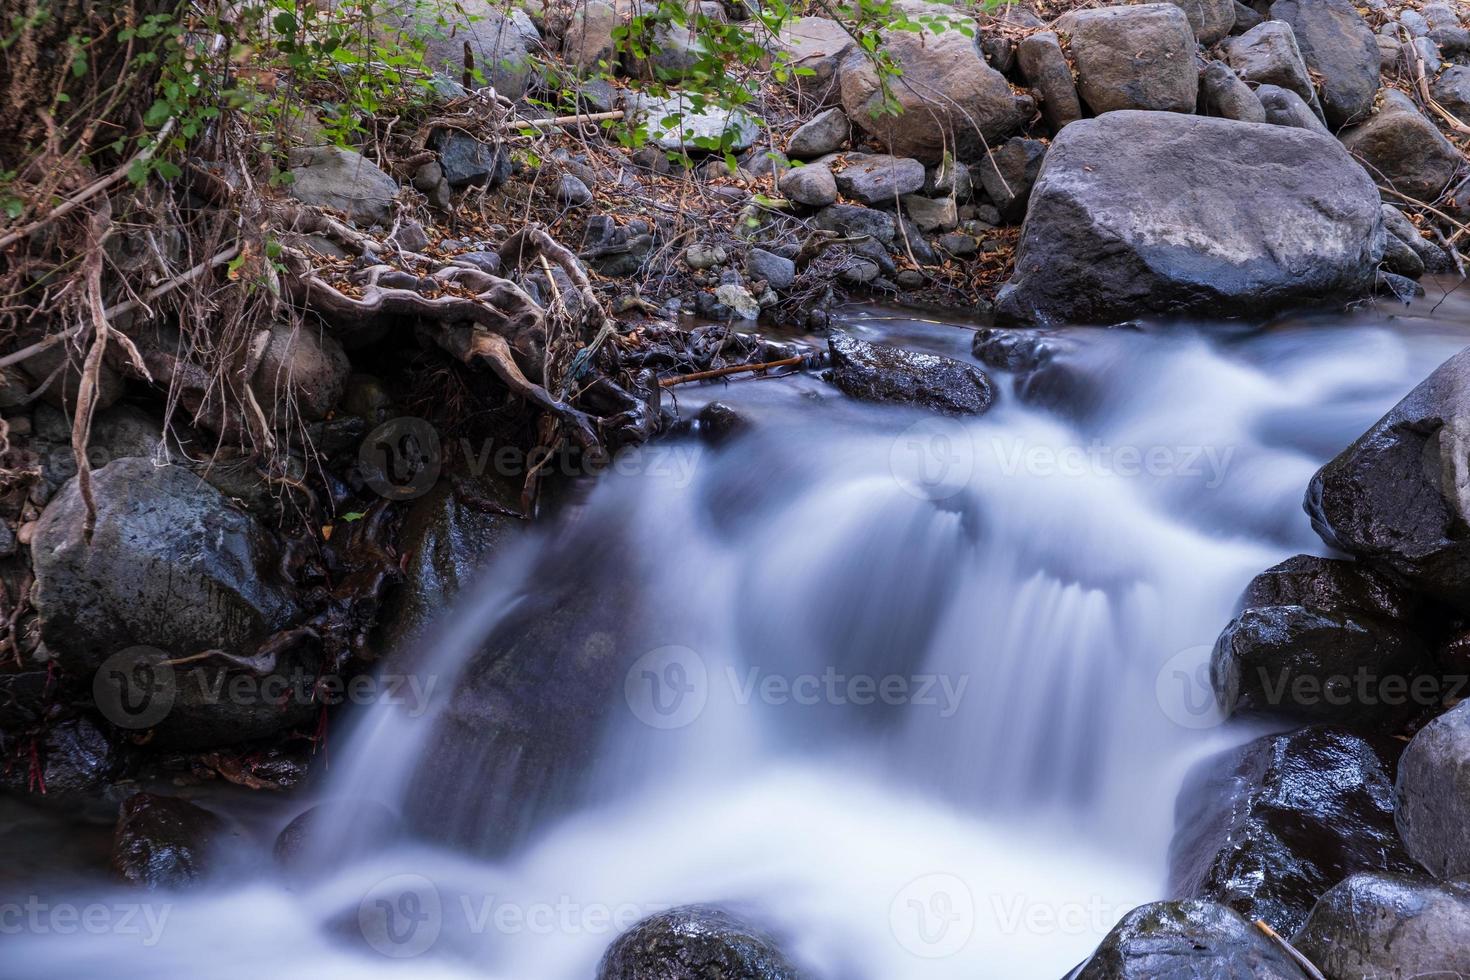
(718, 423)
(674, 124)
(1434, 794)
(1009, 172)
(878, 180)
(1136, 57)
(1396, 497)
(467, 161)
(951, 99)
(1268, 55)
(694, 941)
(738, 300)
(931, 214)
(1435, 259)
(588, 46)
(949, 179)
(502, 43)
(824, 133)
(1223, 94)
(333, 177)
(1285, 108)
(1209, 19)
(1400, 259)
(1454, 42)
(852, 219)
(999, 49)
(163, 841)
(778, 272)
(77, 759)
(1390, 52)
(1337, 44)
(1440, 16)
(1268, 827)
(812, 185)
(1422, 50)
(302, 373)
(883, 373)
(700, 256)
(337, 829)
(1190, 939)
(1378, 925)
(1046, 69)
(571, 192)
(1323, 640)
(957, 244)
(1245, 19)
(1138, 212)
(1452, 90)
(820, 46)
(860, 272)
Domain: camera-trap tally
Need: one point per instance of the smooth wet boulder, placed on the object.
(330, 832)
(1188, 939)
(1045, 66)
(882, 373)
(72, 757)
(338, 178)
(1160, 212)
(1136, 57)
(1404, 150)
(1267, 828)
(1337, 45)
(1434, 794)
(952, 100)
(1399, 497)
(172, 563)
(1377, 925)
(1324, 640)
(877, 179)
(163, 841)
(695, 941)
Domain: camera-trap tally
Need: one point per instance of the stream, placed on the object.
(916, 693)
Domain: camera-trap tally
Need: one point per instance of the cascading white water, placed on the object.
(916, 693)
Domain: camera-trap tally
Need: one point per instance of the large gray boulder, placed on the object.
(1159, 212)
(1434, 794)
(1405, 151)
(1193, 939)
(1399, 497)
(501, 42)
(817, 47)
(1338, 45)
(1378, 925)
(1452, 90)
(1139, 57)
(1268, 55)
(333, 177)
(951, 99)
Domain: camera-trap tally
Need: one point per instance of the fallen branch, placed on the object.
(1460, 227)
(726, 371)
(1422, 82)
(551, 122)
(1307, 965)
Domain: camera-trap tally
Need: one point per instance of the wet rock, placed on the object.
(333, 177)
(572, 193)
(1009, 172)
(1040, 360)
(1224, 94)
(467, 161)
(1162, 212)
(1434, 794)
(1045, 67)
(1452, 90)
(812, 185)
(163, 841)
(820, 46)
(878, 180)
(931, 214)
(719, 423)
(1434, 258)
(1209, 19)
(339, 828)
(1136, 57)
(502, 43)
(1267, 828)
(778, 271)
(674, 124)
(881, 373)
(1268, 55)
(1337, 45)
(694, 941)
(172, 564)
(1324, 640)
(824, 133)
(73, 757)
(1187, 939)
(1396, 497)
(1285, 108)
(302, 373)
(1377, 925)
(852, 220)
(951, 99)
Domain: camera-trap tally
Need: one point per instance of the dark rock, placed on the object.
(878, 372)
(812, 185)
(1377, 925)
(571, 192)
(468, 162)
(1009, 172)
(912, 241)
(1434, 794)
(1045, 67)
(694, 941)
(1396, 497)
(339, 829)
(950, 179)
(1268, 55)
(931, 214)
(1338, 45)
(778, 271)
(719, 423)
(163, 841)
(1161, 212)
(1285, 108)
(1435, 259)
(852, 220)
(302, 374)
(878, 180)
(333, 177)
(824, 133)
(1000, 50)
(1400, 258)
(1189, 939)
(1041, 362)
(1405, 150)
(484, 261)
(1452, 90)
(1454, 42)
(1267, 828)
(1324, 640)
(1209, 19)
(1224, 94)
(957, 244)
(1135, 57)
(1245, 19)
(73, 757)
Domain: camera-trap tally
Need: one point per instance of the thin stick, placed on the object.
(1307, 965)
(552, 121)
(724, 371)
